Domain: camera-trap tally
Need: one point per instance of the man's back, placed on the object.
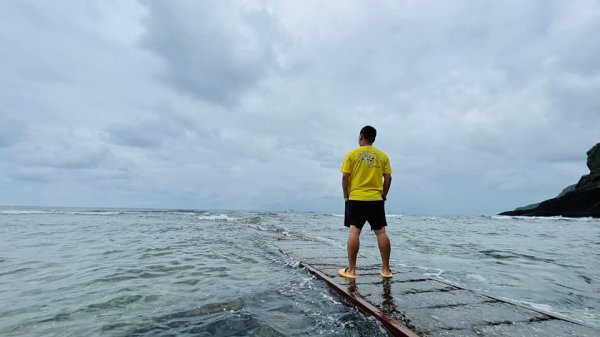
(366, 165)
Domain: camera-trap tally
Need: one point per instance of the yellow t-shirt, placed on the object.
(366, 166)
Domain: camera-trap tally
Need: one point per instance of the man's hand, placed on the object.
(346, 185)
(387, 182)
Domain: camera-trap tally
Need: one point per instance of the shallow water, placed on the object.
(70, 272)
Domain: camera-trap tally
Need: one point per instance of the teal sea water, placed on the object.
(123, 272)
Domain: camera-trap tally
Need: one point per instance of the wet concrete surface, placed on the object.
(427, 306)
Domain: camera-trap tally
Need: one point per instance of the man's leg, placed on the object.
(385, 249)
(353, 246)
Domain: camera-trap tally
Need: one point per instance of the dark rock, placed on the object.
(580, 200)
(593, 163)
(528, 207)
(585, 203)
(566, 190)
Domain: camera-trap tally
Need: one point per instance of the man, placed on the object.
(366, 180)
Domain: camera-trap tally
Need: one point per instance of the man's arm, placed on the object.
(387, 182)
(346, 185)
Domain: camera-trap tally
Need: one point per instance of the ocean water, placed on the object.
(124, 272)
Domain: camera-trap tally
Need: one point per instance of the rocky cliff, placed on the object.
(582, 200)
(593, 163)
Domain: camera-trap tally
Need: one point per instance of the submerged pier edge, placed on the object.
(393, 326)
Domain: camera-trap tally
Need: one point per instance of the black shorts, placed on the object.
(358, 212)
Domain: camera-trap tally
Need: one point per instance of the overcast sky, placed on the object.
(482, 106)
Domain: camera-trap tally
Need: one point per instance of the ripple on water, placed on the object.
(211, 271)
(177, 268)
(111, 252)
(15, 271)
(511, 255)
(227, 324)
(114, 304)
(586, 278)
(190, 282)
(128, 275)
(155, 254)
(263, 314)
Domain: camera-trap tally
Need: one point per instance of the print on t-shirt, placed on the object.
(371, 157)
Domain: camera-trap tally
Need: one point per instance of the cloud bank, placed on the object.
(481, 107)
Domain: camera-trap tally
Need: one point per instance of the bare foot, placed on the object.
(387, 273)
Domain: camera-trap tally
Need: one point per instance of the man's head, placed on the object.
(367, 135)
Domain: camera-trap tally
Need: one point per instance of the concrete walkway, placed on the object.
(411, 304)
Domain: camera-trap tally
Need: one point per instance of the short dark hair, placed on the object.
(369, 133)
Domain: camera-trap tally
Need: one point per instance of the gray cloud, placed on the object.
(33, 176)
(212, 50)
(11, 131)
(482, 107)
(162, 124)
(133, 136)
(70, 158)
